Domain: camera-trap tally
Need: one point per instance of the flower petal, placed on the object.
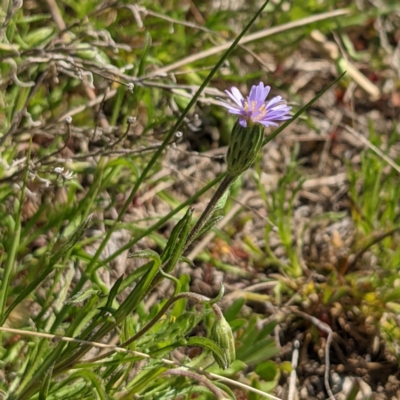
(243, 122)
(253, 92)
(235, 95)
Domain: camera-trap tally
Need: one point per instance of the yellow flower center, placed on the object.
(252, 109)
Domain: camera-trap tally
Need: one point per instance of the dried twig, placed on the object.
(293, 374)
(327, 329)
(332, 50)
(56, 15)
(372, 147)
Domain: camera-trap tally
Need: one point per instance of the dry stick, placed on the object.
(56, 15)
(372, 147)
(101, 152)
(90, 104)
(327, 329)
(136, 9)
(196, 13)
(136, 353)
(293, 374)
(13, 75)
(333, 180)
(146, 11)
(332, 50)
(249, 38)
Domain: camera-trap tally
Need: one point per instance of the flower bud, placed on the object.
(221, 334)
(244, 146)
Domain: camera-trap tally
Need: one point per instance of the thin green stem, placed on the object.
(207, 213)
(14, 238)
(33, 365)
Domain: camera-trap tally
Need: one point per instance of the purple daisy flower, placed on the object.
(254, 109)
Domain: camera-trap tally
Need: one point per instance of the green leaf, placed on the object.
(113, 292)
(259, 352)
(268, 370)
(166, 349)
(177, 240)
(148, 254)
(236, 367)
(209, 224)
(95, 380)
(238, 323)
(81, 296)
(44, 390)
(143, 379)
(39, 36)
(208, 344)
(234, 309)
(267, 330)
